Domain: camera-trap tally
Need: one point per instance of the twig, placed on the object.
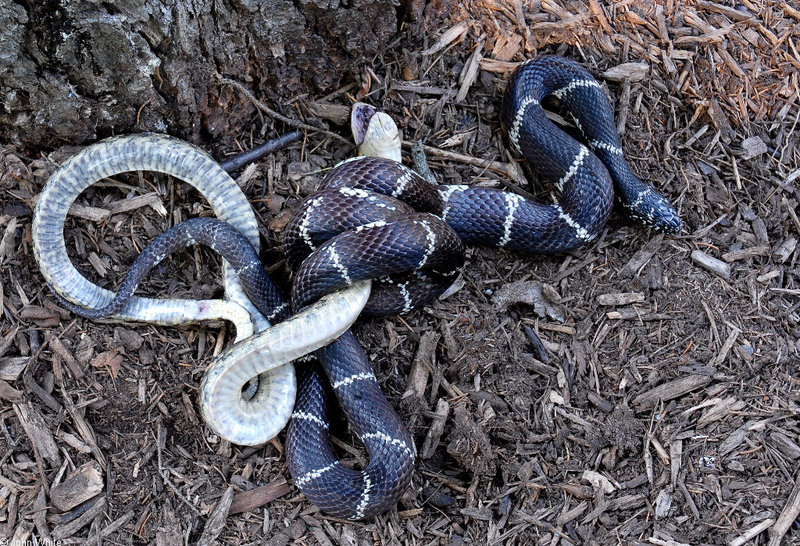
(240, 160)
(272, 113)
(788, 515)
(511, 170)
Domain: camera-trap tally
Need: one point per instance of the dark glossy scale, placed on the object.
(413, 242)
(312, 224)
(387, 177)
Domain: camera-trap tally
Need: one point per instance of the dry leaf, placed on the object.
(109, 359)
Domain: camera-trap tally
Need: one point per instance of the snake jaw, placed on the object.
(375, 133)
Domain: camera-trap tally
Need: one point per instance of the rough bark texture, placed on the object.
(74, 71)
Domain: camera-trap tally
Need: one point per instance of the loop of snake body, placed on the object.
(478, 215)
(246, 422)
(265, 354)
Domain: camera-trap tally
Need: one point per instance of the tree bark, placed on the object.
(76, 71)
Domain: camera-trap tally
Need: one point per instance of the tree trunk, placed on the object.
(75, 71)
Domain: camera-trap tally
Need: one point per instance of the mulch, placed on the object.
(643, 389)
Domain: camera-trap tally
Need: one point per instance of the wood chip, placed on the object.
(98, 264)
(8, 339)
(450, 35)
(745, 253)
(529, 362)
(642, 256)
(597, 11)
(785, 445)
(601, 403)
(66, 530)
(93, 214)
(498, 67)
(530, 293)
(422, 365)
(38, 433)
(435, 430)
(620, 298)
(111, 360)
(216, 520)
(506, 47)
(9, 393)
(720, 410)
(718, 267)
(39, 519)
(751, 533)
(634, 72)
(336, 113)
(247, 501)
(82, 484)
(790, 513)
(663, 503)
(7, 241)
(58, 347)
(152, 200)
(726, 348)
(670, 390)
(470, 73)
(116, 524)
(753, 147)
(11, 367)
(735, 438)
(601, 484)
(636, 314)
(784, 250)
(74, 442)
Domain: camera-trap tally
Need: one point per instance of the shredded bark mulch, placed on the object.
(642, 389)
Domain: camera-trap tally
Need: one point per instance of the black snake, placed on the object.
(388, 241)
(585, 174)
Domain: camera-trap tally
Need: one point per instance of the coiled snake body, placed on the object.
(415, 257)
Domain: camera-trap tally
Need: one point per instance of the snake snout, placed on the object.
(671, 224)
(660, 215)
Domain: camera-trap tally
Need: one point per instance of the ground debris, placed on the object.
(665, 366)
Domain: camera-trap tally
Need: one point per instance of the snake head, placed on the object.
(656, 212)
(375, 132)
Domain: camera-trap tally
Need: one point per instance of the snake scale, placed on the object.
(374, 219)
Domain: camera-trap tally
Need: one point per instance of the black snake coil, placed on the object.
(365, 191)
